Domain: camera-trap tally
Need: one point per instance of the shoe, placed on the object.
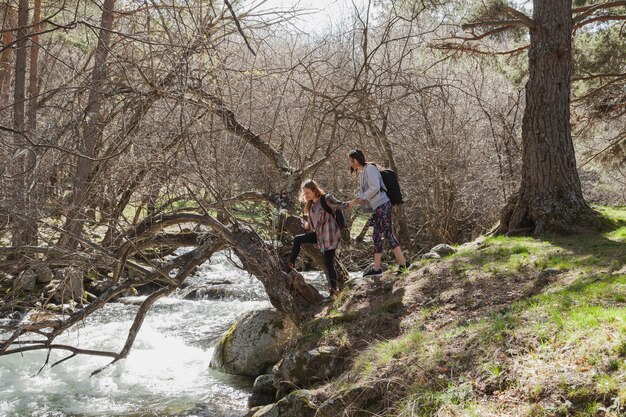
(373, 272)
(289, 267)
(403, 268)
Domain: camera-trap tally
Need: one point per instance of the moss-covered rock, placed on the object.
(306, 368)
(253, 343)
(296, 404)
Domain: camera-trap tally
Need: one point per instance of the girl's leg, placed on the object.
(298, 241)
(378, 257)
(387, 226)
(377, 237)
(329, 262)
(397, 252)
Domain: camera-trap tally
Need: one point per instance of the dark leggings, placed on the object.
(329, 256)
(381, 220)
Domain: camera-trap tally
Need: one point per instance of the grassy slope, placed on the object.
(504, 327)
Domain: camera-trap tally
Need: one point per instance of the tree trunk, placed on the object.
(6, 58)
(91, 131)
(31, 158)
(20, 226)
(550, 196)
(289, 293)
(399, 219)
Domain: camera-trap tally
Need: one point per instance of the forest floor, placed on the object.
(504, 327)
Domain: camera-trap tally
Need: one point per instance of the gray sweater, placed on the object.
(371, 188)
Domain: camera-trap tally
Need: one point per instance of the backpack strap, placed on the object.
(325, 205)
(380, 178)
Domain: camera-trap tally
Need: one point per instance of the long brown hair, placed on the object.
(313, 186)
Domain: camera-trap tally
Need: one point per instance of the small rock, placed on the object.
(430, 255)
(264, 384)
(263, 391)
(66, 285)
(443, 249)
(296, 404)
(26, 281)
(100, 286)
(544, 276)
(16, 315)
(260, 409)
(6, 280)
(383, 266)
(257, 399)
(251, 412)
(43, 273)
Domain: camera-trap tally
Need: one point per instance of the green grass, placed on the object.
(577, 329)
(512, 255)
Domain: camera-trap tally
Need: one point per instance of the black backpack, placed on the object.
(392, 186)
(339, 218)
(337, 214)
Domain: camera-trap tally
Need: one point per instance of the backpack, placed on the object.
(392, 186)
(339, 218)
(337, 214)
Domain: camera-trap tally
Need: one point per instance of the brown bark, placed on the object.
(21, 232)
(399, 218)
(31, 231)
(550, 196)
(91, 129)
(288, 293)
(8, 55)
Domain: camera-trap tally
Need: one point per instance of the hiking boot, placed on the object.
(403, 268)
(373, 272)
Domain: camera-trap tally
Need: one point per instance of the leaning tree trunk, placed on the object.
(288, 292)
(550, 196)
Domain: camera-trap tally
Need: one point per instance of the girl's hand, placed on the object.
(304, 224)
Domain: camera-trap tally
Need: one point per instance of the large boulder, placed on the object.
(254, 343)
(296, 404)
(306, 368)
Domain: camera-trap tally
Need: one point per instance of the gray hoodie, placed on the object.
(371, 188)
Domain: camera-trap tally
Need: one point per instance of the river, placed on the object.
(167, 372)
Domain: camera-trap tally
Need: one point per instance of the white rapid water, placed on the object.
(167, 372)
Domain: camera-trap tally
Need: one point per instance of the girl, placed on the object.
(324, 229)
(373, 199)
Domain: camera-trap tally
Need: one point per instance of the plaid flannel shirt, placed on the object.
(326, 228)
